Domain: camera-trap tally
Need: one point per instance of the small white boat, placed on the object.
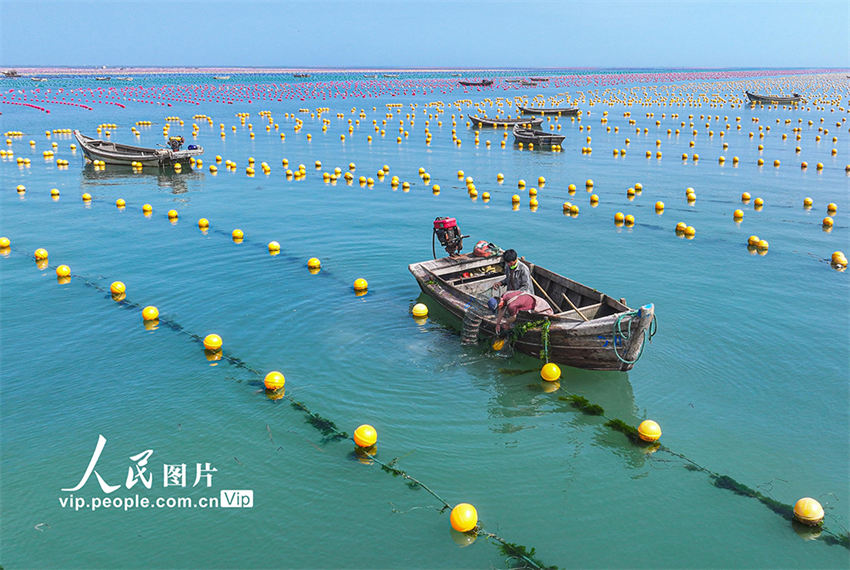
(126, 155)
(221, 77)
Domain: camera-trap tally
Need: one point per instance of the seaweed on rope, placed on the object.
(331, 432)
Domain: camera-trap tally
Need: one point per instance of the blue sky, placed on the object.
(417, 33)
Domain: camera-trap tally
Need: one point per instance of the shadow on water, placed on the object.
(519, 391)
(166, 178)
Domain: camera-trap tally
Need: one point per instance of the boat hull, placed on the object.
(537, 138)
(773, 99)
(503, 123)
(126, 155)
(591, 345)
(563, 111)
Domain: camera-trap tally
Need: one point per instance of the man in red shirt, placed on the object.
(513, 302)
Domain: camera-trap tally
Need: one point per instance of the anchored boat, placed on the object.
(538, 138)
(588, 330)
(566, 111)
(774, 99)
(504, 122)
(482, 83)
(115, 153)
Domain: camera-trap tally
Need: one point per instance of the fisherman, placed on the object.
(513, 302)
(517, 274)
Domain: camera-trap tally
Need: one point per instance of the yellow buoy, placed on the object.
(150, 313)
(172, 214)
(762, 245)
(464, 517)
(807, 202)
(117, 288)
(831, 209)
(738, 215)
(212, 342)
(238, 234)
(4, 242)
(360, 284)
(203, 223)
(838, 258)
(690, 232)
(314, 263)
(753, 241)
(86, 197)
(649, 430)
(147, 208)
(589, 183)
(274, 247)
(808, 511)
(365, 436)
(758, 202)
(659, 206)
(63, 271)
(619, 218)
(550, 372)
(40, 254)
(274, 380)
(420, 310)
(828, 222)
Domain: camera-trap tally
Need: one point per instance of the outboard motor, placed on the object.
(447, 231)
(175, 143)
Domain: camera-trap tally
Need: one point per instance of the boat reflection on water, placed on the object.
(166, 178)
(519, 393)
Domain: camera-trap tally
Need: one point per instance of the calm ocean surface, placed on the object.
(747, 375)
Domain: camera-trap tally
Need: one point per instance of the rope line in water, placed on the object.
(720, 481)
(619, 334)
(329, 430)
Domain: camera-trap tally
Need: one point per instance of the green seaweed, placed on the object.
(583, 404)
(630, 431)
(840, 540)
(522, 555)
(730, 484)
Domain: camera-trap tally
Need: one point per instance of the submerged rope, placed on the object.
(718, 480)
(332, 433)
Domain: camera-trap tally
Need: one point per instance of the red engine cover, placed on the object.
(444, 223)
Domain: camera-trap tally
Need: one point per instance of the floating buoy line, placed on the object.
(806, 515)
(212, 344)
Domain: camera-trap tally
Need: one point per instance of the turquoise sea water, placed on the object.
(747, 376)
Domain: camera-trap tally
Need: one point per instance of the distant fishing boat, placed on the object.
(504, 121)
(482, 83)
(122, 154)
(548, 110)
(588, 330)
(222, 77)
(124, 79)
(391, 75)
(774, 99)
(370, 76)
(300, 75)
(106, 78)
(456, 75)
(535, 137)
(538, 79)
(11, 74)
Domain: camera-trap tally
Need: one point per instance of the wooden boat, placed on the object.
(482, 83)
(504, 122)
(538, 79)
(390, 75)
(774, 99)
(300, 75)
(567, 111)
(106, 78)
(535, 137)
(11, 74)
(370, 75)
(222, 77)
(594, 331)
(38, 78)
(114, 153)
